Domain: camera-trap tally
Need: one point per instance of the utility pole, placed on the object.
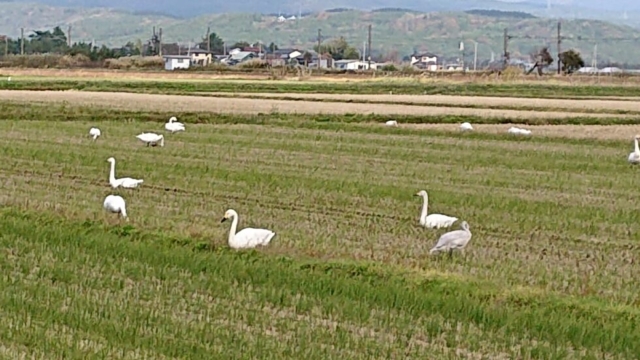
(69, 36)
(369, 49)
(208, 38)
(21, 41)
(319, 44)
(6, 45)
(559, 51)
(475, 55)
(160, 42)
(506, 48)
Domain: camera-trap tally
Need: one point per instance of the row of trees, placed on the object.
(56, 42)
(339, 48)
(570, 60)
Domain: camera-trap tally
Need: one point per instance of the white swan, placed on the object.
(518, 131)
(128, 182)
(452, 240)
(247, 237)
(115, 204)
(173, 125)
(95, 132)
(634, 157)
(391, 123)
(465, 126)
(434, 220)
(151, 139)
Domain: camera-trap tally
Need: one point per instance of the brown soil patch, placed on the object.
(483, 101)
(600, 132)
(178, 103)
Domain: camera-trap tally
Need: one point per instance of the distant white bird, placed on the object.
(518, 131)
(391, 123)
(173, 125)
(434, 220)
(457, 239)
(634, 157)
(9, 78)
(94, 132)
(247, 237)
(115, 204)
(128, 183)
(465, 126)
(151, 139)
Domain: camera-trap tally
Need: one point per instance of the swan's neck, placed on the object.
(425, 205)
(112, 173)
(637, 149)
(232, 231)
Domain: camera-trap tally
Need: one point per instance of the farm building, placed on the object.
(173, 62)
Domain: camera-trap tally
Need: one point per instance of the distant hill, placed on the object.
(399, 31)
(564, 8)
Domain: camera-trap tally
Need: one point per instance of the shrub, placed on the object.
(252, 64)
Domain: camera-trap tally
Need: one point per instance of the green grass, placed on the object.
(549, 274)
(68, 112)
(76, 289)
(373, 87)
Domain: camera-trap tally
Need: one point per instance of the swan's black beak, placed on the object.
(416, 195)
(223, 219)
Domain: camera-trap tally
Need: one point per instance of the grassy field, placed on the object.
(546, 88)
(549, 273)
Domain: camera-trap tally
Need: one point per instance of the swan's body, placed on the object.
(173, 125)
(457, 239)
(436, 221)
(248, 237)
(391, 123)
(94, 132)
(518, 131)
(634, 157)
(127, 182)
(115, 204)
(465, 126)
(151, 139)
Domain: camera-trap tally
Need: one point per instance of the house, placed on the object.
(352, 64)
(239, 57)
(200, 56)
(274, 60)
(427, 61)
(326, 61)
(172, 62)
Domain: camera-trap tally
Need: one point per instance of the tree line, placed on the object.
(55, 41)
(338, 48)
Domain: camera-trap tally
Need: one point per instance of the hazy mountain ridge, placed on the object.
(564, 8)
(401, 32)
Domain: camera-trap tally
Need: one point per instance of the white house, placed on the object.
(172, 62)
(352, 64)
(427, 61)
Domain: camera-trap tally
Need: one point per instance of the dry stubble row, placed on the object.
(480, 101)
(150, 102)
